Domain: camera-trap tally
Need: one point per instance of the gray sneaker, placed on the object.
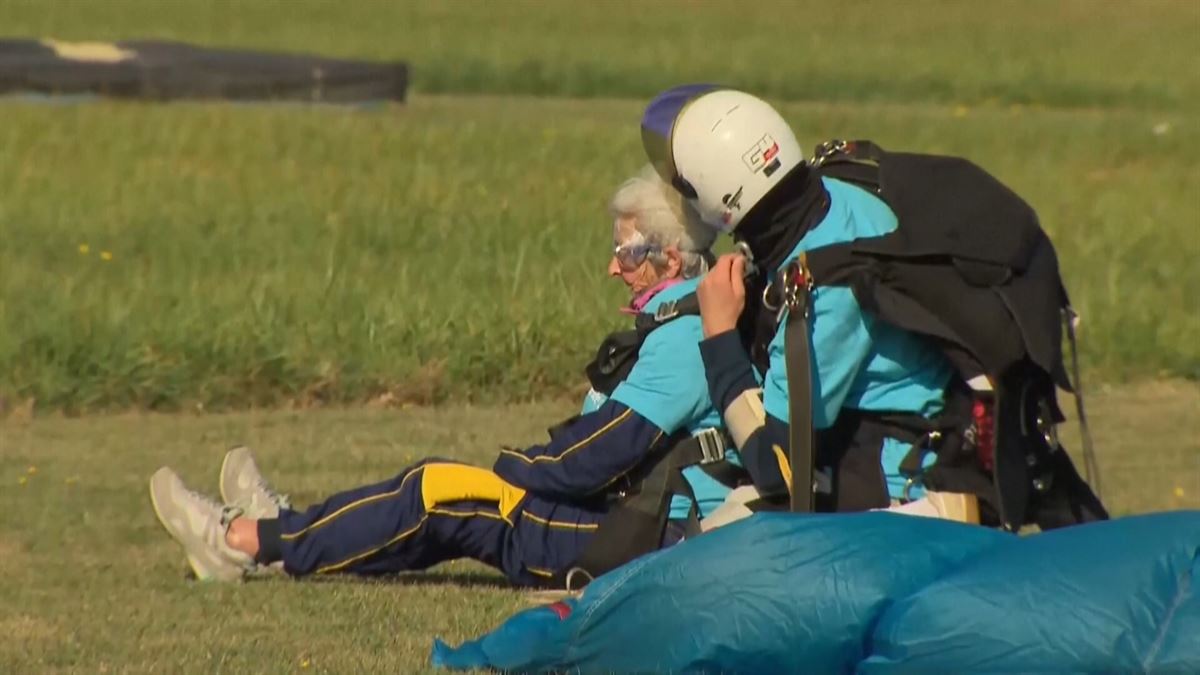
(199, 525)
(243, 485)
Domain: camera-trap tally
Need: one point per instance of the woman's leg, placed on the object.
(429, 513)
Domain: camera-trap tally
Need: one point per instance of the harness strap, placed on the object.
(1090, 466)
(923, 434)
(726, 473)
(688, 305)
(796, 285)
(706, 447)
(691, 524)
(635, 525)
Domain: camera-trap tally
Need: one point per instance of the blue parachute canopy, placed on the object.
(876, 593)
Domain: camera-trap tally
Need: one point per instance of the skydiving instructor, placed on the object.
(738, 162)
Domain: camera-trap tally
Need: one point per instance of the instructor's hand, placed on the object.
(722, 295)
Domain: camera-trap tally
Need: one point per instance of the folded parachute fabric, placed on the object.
(876, 593)
(1117, 597)
(777, 593)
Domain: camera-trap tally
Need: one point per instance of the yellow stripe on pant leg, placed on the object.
(333, 567)
(539, 571)
(558, 524)
(352, 506)
(448, 483)
(785, 467)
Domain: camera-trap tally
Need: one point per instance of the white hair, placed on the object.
(665, 219)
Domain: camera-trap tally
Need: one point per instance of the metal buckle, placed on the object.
(766, 299)
(743, 249)
(666, 311)
(797, 289)
(919, 477)
(905, 494)
(1072, 317)
(826, 150)
(712, 446)
(790, 295)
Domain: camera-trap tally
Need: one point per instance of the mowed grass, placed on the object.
(175, 256)
(168, 257)
(188, 256)
(1068, 53)
(90, 583)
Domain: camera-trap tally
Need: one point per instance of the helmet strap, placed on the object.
(773, 226)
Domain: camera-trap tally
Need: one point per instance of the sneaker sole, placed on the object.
(199, 568)
(225, 463)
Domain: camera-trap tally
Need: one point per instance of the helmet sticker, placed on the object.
(760, 154)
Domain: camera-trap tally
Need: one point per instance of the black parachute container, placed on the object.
(156, 70)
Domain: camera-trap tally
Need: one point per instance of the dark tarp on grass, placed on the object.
(171, 70)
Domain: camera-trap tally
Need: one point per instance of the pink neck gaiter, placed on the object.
(642, 300)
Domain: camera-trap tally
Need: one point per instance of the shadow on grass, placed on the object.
(473, 580)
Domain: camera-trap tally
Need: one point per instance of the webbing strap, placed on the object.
(1090, 466)
(707, 451)
(726, 473)
(635, 525)
(800, 405)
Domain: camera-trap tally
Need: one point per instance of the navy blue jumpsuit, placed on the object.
(532, 514)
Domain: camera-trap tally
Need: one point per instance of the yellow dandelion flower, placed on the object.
(304, 663)
(22, 480)
(84, 248)
(31, 470)
(106, 255)
(1179, 492)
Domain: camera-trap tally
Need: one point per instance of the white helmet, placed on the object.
(722, 149)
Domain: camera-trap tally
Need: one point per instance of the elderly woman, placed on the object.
(540, 511)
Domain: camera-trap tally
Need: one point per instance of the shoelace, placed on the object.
(229, 513)
(279, 499)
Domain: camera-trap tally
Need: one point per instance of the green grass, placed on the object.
(454, 248)
(90, 583)
(451, 251)
(1068, 53)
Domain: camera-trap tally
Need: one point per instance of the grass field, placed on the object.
(235, 265)
(168, 257)
(91, 584)
(454, 248)
(1072, 53)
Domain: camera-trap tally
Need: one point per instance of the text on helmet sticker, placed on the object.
(761, 154)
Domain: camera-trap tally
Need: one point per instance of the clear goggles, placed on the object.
(630, 248)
